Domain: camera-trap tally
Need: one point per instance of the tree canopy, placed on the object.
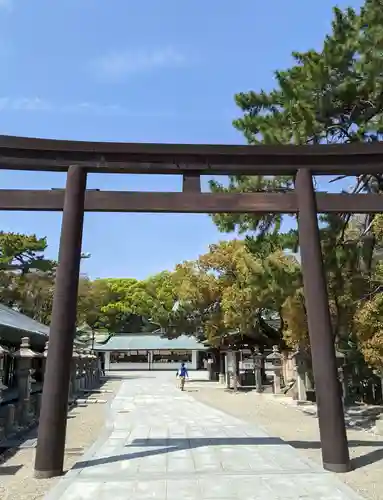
(26, 275)
(331, 95)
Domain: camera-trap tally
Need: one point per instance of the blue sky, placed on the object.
(140, 71)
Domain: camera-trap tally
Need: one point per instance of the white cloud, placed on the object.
(36, 104)
(88, 108)
(119, 65)
(24, 104)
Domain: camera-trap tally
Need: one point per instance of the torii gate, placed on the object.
(190, 161)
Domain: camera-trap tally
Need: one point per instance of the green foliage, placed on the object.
(328, 96)
(19, 252)
(295, 331)
(26, 275)
(368, 321)
(152, 299)
(377, 227)
(229, 289)
(265, 244)
(369, 324)
(101, 305)
(332, 95)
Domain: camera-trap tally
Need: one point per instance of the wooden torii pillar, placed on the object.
(50, 449)
(335, 454)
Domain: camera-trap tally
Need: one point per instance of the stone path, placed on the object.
(162, 444)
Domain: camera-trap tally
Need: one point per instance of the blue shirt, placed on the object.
(183, 372)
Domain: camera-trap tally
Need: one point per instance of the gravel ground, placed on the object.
(84, 425)
(301, 431)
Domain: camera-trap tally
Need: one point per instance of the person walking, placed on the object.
(182, 375)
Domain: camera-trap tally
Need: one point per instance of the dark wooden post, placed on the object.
(335, 454)
(54, 404)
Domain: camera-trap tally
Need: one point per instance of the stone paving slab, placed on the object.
(161, 444)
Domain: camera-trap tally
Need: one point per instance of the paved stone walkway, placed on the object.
(162, 444)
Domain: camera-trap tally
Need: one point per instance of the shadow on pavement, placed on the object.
(170, 445)
(27, 439)
(368, 459)
(9, 470)
(126, 376)
(358, 462)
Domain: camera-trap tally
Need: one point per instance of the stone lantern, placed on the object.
(258, 358)
(275, 358)
(24, 357)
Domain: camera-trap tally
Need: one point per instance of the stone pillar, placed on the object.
(194, 362)
(91, 370)
(24, 357)
(300, 369)
(97, 363)
(379, 422)
(3, 352)
(83, 371)
(107, 361)
(73, 377)
(78, 365)
(45, 355)
(95, 369)
(54, 406)
(257, 355)
(150, 360)
(229, 367)
(210, 365)
(221, 368)
(2, 429)
(88, 370)
(235, 370)
(3, 387)
(332, 428)
(343, 376)
(10, 423)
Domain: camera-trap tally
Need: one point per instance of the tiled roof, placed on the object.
(14, 326)
(18, 321)
(149, 342)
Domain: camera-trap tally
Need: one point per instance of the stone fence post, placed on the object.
(73, 384)
(257, 355)
(3, 387)
(3, 352)
(94, 369)
(24, 357)
(221, 376)
(300, 368)
(81, 370)
(45, 355)
(88, 370)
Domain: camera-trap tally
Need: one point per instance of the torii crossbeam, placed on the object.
(190, 161)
